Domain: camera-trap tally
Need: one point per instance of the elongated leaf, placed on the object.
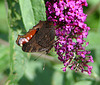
(21, 17)
(38, 7)
(32, 12)
(27, 13)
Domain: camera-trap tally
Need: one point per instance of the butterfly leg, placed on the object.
(49, 49)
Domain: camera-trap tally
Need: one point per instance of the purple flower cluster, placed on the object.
(71, 30)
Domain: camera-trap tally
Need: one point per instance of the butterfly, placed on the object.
(39, 38)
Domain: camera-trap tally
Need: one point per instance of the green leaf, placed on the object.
(32, 12)
(27, 13)
(57, 78)
(31, 68)
(21, 14)
(83, 83)
(93, 39)
(69, 78)
(39, 9)
(4, 57)
(3, 18)
(17, 60)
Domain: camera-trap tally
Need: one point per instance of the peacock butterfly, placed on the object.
(39, 38)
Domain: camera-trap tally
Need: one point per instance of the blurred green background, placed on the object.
(19, 68)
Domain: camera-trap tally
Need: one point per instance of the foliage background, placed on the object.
(19, 68)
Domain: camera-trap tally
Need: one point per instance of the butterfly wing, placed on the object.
(45, 36)
(42, 40)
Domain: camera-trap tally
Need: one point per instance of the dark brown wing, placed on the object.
(43, 40)
(45, 36)
(31, 46)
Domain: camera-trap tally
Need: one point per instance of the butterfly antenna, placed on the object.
(43, 60)
(38, 56)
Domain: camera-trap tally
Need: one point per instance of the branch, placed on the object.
(46, 57)
(92, 9)
(4, 42)
(36, 54)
